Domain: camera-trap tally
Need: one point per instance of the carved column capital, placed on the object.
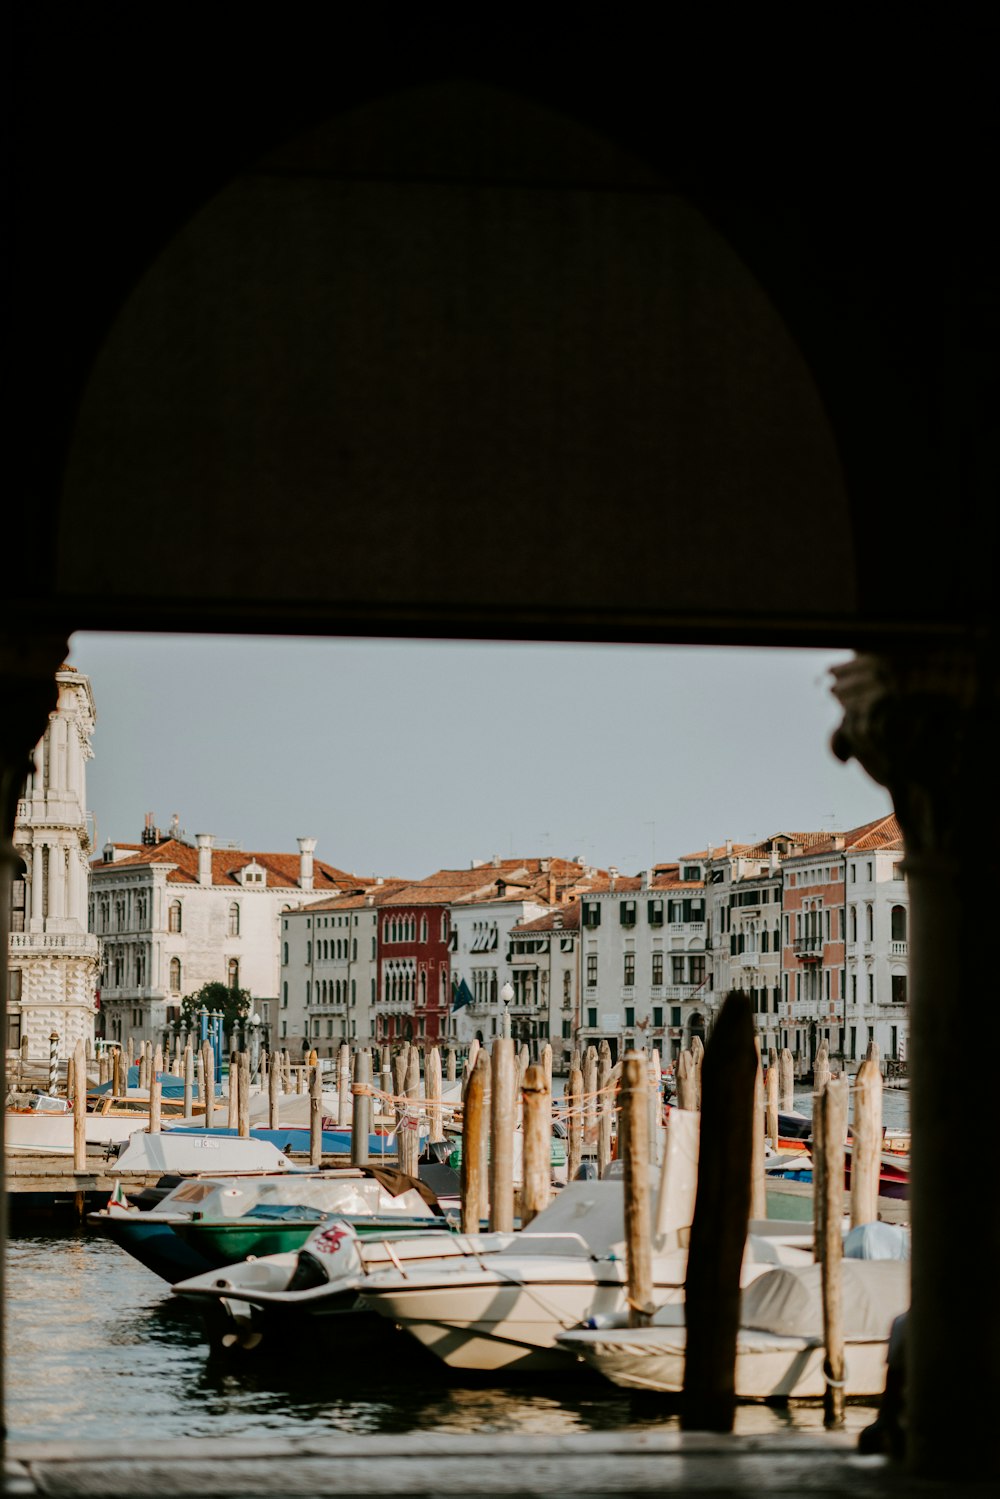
(924, 726)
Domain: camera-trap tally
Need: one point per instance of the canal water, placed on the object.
(98, 1348)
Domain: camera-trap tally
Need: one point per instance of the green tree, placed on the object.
(234, 1004)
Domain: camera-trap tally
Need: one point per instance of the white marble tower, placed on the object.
(53, 958)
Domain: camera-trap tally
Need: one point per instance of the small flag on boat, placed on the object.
(463, 996)
(118, 1198)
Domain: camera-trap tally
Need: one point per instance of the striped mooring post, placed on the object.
(53, 1061)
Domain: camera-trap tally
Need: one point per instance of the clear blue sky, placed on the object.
(403, 757)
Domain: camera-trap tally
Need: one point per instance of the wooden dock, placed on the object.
(430, 1465)
(49, 1180)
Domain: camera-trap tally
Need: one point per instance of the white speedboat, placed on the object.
(47, 1127)
(323, 1279)
(506, 1310)
(779, 1347)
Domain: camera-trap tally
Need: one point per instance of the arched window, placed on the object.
(899, 923)
(423, 986)
(869, 923)
(284, 958)
(354, 949)
(764, 939)
(174, 917)
(175, 975)
(354, 991)
(233, 973)
(854, 923)
(423, 929)
(234, 919)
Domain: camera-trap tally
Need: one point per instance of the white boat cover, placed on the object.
(593, 1209)
(788, 1301)
(878, 1241)
(220, 1154)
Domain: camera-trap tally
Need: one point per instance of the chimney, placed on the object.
(612, 875)
(496, 861)
(773, 860)
(644, 879)
(729, 848)
(306, 847)
(204, 842)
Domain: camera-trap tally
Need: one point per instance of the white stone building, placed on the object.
(481, 955)
(53, 959)
(876, 1004)
(745, 885)
(643, 960)
(545, 966)
(172, 916)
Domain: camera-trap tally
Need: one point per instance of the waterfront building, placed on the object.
(844, 974)
(545, 973)
(484, 918)
(52, 958)
(643, 955)
(876, 998)
(745, 884)
(329, 970)
(172, 915)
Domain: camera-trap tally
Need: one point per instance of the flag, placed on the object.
(463, 996)
(118, 1198)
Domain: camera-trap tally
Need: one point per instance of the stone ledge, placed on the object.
(826, 1466)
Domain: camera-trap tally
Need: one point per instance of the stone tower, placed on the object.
(53, 958)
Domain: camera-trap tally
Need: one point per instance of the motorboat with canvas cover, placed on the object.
(505, 1310)
(779, 1348)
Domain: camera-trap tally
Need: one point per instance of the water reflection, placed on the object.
(98, 1348)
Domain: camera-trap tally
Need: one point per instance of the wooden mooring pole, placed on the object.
(315, 1116)
(634, 1153)
(537, 1117)
(721, 1214)
(361, 1114)
(474, 1128)
(503, 1108)
(866, 1143)
(80, 1107)
(243, 1094)
(832, 1105)
(573, 1095)
(758, 1178)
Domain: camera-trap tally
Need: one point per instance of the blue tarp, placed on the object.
(172, 1087)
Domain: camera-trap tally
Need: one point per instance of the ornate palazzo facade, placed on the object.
(53, 959)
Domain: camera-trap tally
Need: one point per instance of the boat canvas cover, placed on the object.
(593, 1209)
(878, 1241)
(789, 1302)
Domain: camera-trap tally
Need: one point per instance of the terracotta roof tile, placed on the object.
(282, 869)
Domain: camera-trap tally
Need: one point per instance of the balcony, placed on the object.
(656, 991)
(69, 944)
(808, 949)
(749, 959)
(899, 949)
(628, 991)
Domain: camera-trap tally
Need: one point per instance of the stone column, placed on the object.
(37, 887)
(925, 726)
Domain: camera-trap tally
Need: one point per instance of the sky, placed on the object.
(402, 757)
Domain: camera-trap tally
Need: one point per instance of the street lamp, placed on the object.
(506, 997)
